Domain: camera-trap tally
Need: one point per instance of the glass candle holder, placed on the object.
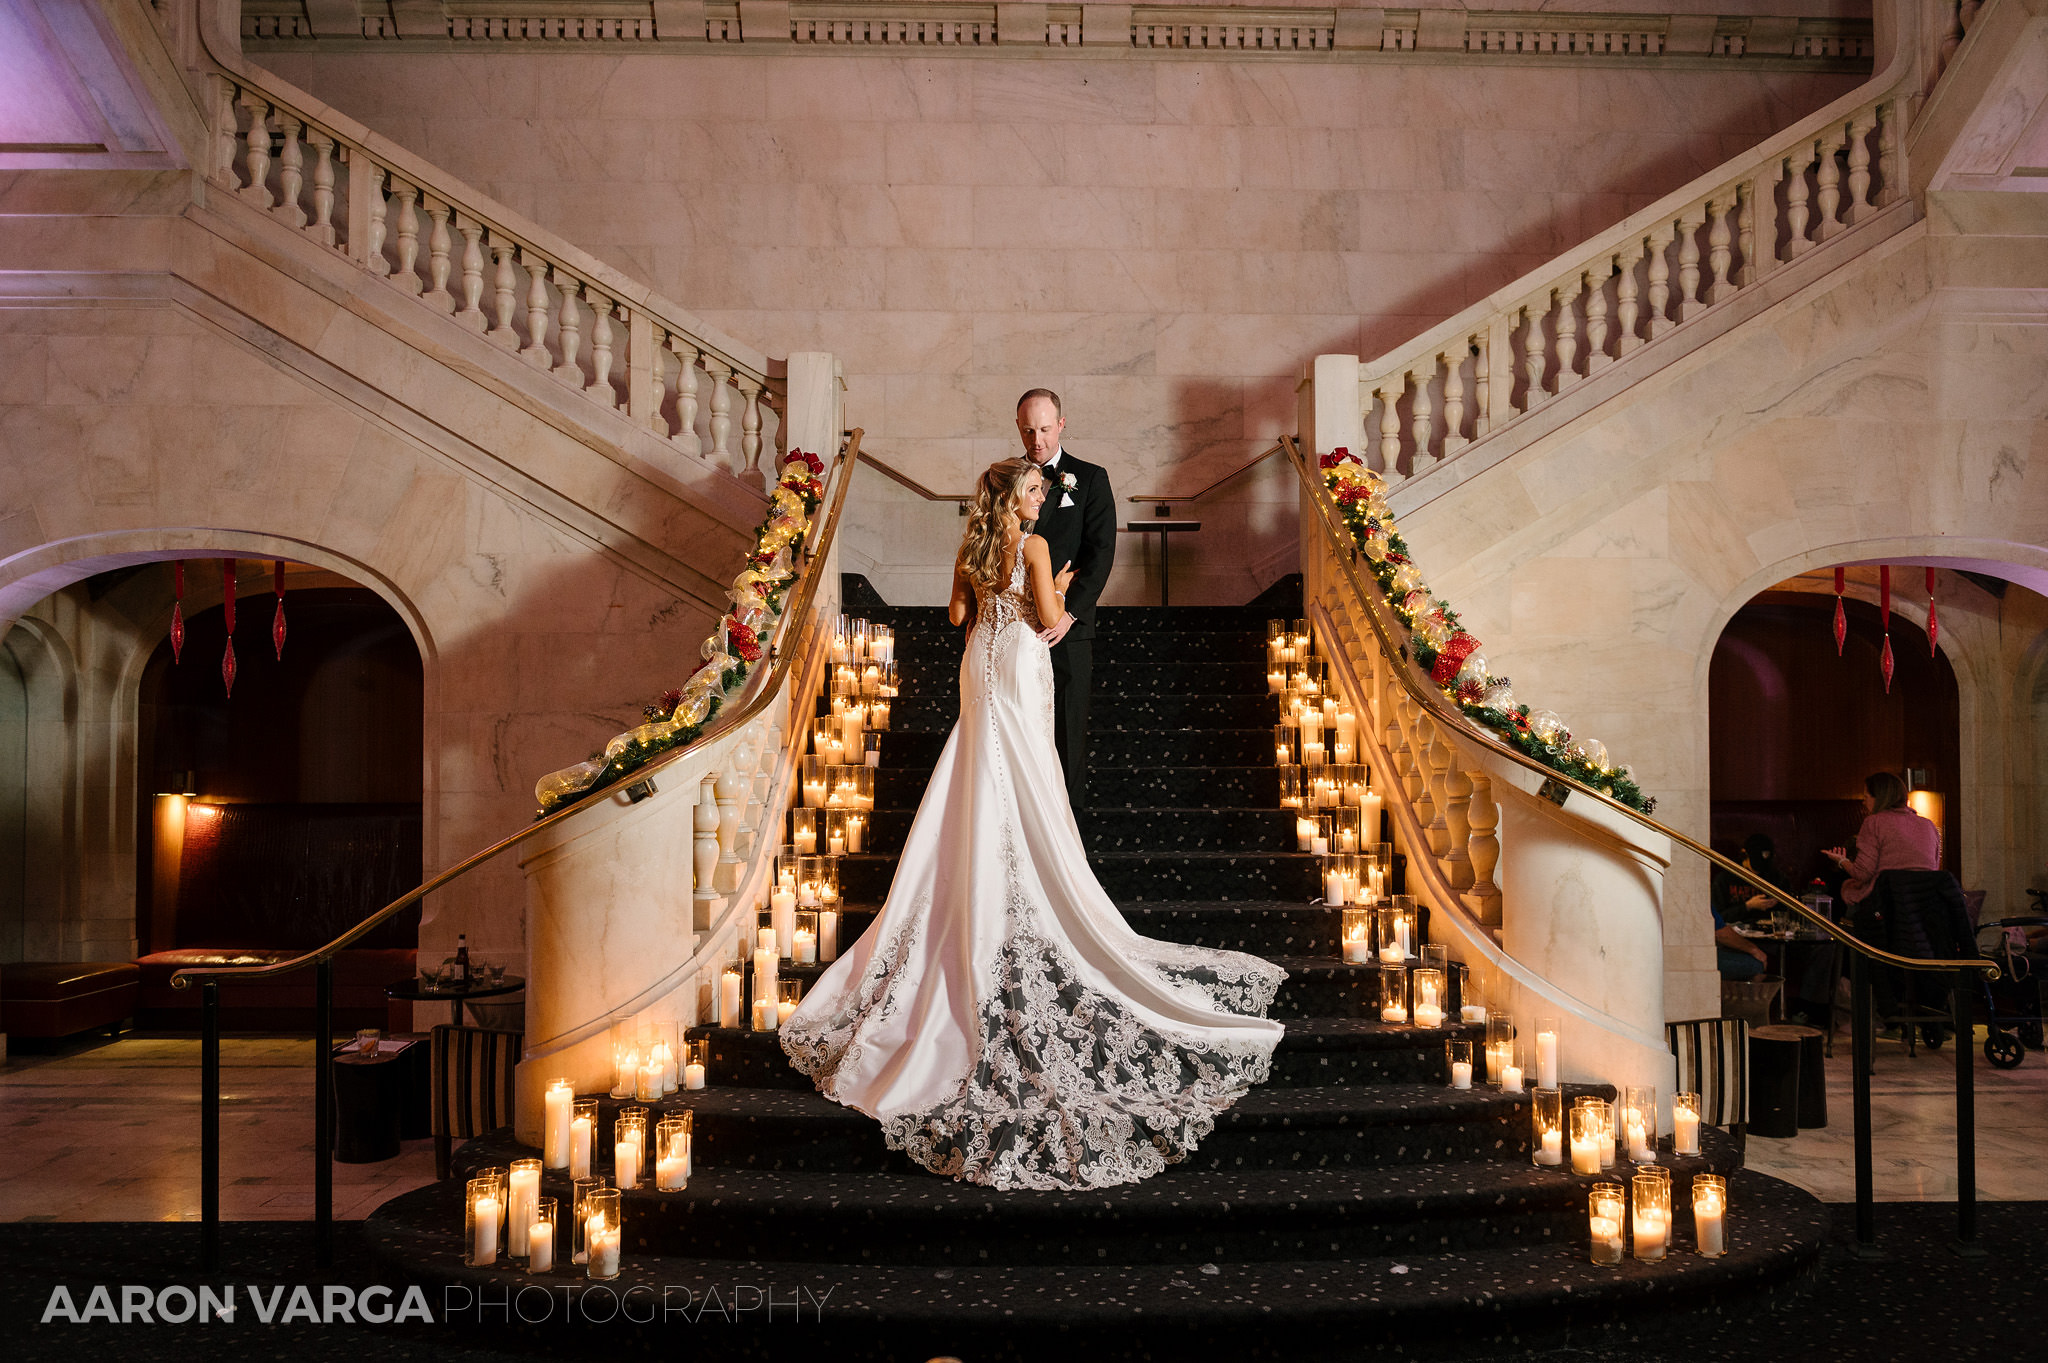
(762, 1016)
(1427, 987)
(1589, 1133)
(1357, 934)
(732, 984)
(1685, 1123)
(557, 1105)
(1458, 1054)
(835, 833)
(1546, 1053)
(1710, 1214)
(583, 1135)
(1546, 1118)
(1606, 1215)
(629, 1146)
(803, 831)
(603, 1227)
(522, 1192)
(789, 993)
(1500, 1051)
(1305, 831)
(1604, 1117)
(828, 934)
(863, 789)
(1393, 995)
(626, 1063)
(1276, 634)
(814, 780)
(540, 1237)
(828, 883)
(1652, 1197)
(808, 873)
(483, 1212)
(1436, 956)
(1472, 1006)
(1397, 929)
(1290, 787)
(878, 718)
(1276, 673)
(580, 1190)
(672, 1154)
(1639, 1123)
(1283, 745)
(1382, 860)
(696, 1063)
(1328, 795)
(857, 829)
(1325, 831)
(804, 941)
(648, 1087)
(1340, 873)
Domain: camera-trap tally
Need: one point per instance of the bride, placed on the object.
(1000, 1018)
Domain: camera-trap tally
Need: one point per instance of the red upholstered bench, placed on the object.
(59, 998)
(284, 1002)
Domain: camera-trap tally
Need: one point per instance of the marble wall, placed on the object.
(1890, 412)
(1164, 242)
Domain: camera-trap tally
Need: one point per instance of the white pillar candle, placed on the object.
(1391, 954)
(837, 845)
(828, 934)
(1461, 1074)
(1546, 1060)
(1709, 1224)
(1638, 1141)
(1357, 951)
(693, 1075)
(806, 894)
(783, 1009)
(484, 1248)
(1586, 1154)
(1511, 1079)
(781, 909)
(1401, 937)
(558, 1100)
(764, 940)
(669, 1176)
(1393, 1012)
(540, 1242)
(1685, 1132)
(1304, 834)
(1373, 805)
(806, 841)
(1653, 1233)
(1473, 1012)
(626, 1163)
(856, 833)
(604, 1248)
(765, 1016)
(729, 989)
(1552, 1149)
(648, 1089)
(579, 1148)
(804, 947)
(1319, 845)
(1607, 1233)
(1333, 888)
(521, 1201)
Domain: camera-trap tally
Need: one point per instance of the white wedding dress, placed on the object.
(1000, 1018)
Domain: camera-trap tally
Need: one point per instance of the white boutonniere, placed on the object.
(1069, 482)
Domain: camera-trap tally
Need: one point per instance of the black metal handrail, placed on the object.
(1863, 954)
(321, 959)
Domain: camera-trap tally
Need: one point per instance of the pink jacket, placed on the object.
(1894, 840)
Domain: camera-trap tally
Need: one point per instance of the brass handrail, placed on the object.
(1433, 702)
(907, 481)
(1240, 470)
(725, 723)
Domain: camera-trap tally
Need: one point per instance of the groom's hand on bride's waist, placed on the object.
(1058, 631)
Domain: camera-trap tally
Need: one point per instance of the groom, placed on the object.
(1078, 523)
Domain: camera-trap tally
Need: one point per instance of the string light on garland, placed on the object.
(1841, 618)
(277, 620)
(1450, 654)
(227, 608)
(177, 611)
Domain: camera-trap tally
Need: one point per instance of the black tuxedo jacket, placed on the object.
(1083, 534)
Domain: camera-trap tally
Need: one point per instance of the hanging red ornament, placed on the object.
(1884, 608)
(177, 610)
(1842, 621)
(277, 620)
(1933, 621)
(227, 606)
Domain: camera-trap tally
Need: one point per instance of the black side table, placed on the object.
(456, 995)
(371, 1089)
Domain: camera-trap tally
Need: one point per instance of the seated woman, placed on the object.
(1736, 956)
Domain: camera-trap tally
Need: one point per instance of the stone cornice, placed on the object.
(1066, 30)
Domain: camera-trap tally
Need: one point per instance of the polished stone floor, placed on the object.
(110, 1132)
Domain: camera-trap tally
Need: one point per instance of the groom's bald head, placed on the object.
(1039, 424)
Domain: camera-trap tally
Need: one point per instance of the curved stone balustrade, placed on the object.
(430, 237)
(1023, 27)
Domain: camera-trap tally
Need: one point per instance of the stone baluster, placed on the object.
(1568, 333)
(1454, 399)
(1860, 128)
(686, 397)
(729, 791)
(742, 764)
(1951, 37)
(569, 328)
(1436, 779)
(472, 313)
(1745, 234)
(1396, 740)
(227, 137)
(1720, 239)
(1597, 357)
(1390, 430)
(1828, 201)
(1532, 354)
(321, 228)
(505, 292)
(438, 264)
(379, 220)
(600, 388)
(1796, 211)
(1626, 312)
(1888, 185)
(1689, 224)
(1421, 420)
(1457, 859)
(657, 376)
(257, 160)
(1482, 383)
(1416, 779)
(721, 413)
(291, 173)
(1660, 281)
(1483, 849)
(704, 850)
(407, 276)
(537, 306)
(750, 427)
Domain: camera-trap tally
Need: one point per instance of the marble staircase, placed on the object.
(1355, 1191)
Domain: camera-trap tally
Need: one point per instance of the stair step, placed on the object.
(1139, 877)
(1154, 713)
(1161, 831)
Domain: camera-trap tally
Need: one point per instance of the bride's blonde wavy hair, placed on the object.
(1000, 491)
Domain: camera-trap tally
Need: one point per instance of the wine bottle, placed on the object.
(462, 959)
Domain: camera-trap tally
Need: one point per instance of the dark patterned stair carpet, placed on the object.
(1354, 1192)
